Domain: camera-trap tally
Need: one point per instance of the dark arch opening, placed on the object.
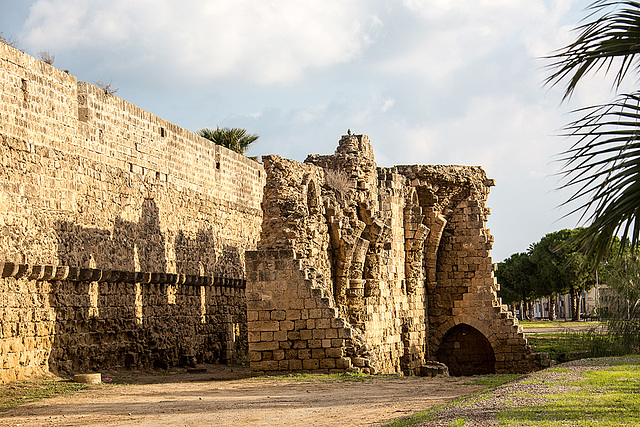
(466, 352)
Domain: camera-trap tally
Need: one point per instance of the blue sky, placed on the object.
(430, 81)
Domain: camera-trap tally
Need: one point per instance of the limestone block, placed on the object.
(327, 363)
(264, 326)
(300, 344)
(314, 343)
(295, 365)
(294, 335)
(265, 365)
(310, 364)
(286, 325)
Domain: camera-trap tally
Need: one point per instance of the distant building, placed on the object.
(597, 302)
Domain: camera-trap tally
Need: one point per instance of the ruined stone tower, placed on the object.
(380, 269)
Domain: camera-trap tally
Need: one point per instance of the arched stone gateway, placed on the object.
(466, 352)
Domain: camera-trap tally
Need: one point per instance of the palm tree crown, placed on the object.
(602, 168)
(236, 139)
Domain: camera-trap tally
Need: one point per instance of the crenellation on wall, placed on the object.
(50, 322)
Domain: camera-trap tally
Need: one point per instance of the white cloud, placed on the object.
(456, 35)
(244, 40)
(388, 103)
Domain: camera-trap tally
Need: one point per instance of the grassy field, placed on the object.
(561, 346)
(605, 394)
(557, 324)
(602, 397)
(571, 343)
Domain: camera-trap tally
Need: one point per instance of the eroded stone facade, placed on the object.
(377, 269)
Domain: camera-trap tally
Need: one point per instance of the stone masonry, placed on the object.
(122, 235)
(376, 269)
(129, 242)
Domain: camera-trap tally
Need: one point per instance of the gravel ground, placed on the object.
(526, 391)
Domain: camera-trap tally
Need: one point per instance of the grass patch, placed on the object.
(556, 324)
(559, 370)
(15, 394)
(607, 397)
(562, 346)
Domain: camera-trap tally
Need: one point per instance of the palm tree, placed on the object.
(236, 139)
(602, 168)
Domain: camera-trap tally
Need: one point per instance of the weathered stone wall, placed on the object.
(70, 320)
(89, 180)
(408, 269)
(350, 265)
(293, 323)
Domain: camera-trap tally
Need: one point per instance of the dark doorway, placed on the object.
(466, 352)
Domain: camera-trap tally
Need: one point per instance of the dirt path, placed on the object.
(223, 397)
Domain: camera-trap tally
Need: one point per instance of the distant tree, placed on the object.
(558, 271)
(622, 274)
(46, 56)
(517, 275)
(559, 261)
(236, 139)
(106, 87)
(550, 267)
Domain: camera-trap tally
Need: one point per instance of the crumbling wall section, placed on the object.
(294, 324)
(407, 253)
(294, 215)
(461, 289)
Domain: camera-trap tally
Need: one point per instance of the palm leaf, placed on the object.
(603, 170)
(612, 34)
(236, 139)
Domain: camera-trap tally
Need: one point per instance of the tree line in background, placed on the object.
(558, 265)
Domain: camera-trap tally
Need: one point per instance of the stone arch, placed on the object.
(466, 350)
(482, 327)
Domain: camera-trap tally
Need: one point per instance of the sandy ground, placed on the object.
(227, 396)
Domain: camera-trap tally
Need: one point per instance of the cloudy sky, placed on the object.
(430, 81)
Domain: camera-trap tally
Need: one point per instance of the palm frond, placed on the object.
(603, 170)
(236, 139)
(613, 34)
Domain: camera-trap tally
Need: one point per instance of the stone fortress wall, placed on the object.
(129, 242)
(97, 194)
